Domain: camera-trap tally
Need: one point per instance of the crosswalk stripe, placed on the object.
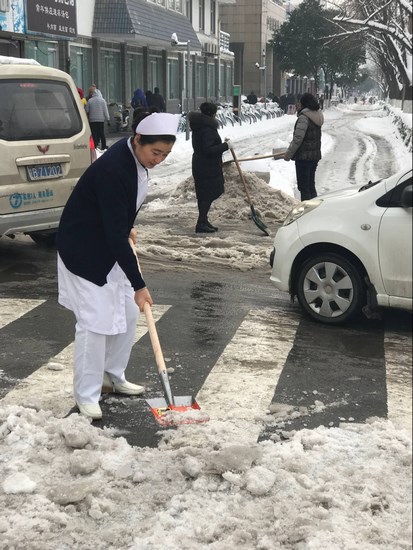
(12, 309)
(398, 352)
(50, 386)
(241, 384)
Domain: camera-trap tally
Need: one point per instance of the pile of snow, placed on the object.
(237, 244)
(68, 485)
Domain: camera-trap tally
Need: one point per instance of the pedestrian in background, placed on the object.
(206, 162)
(139, 100)
(252, 98)
(305, 147)
(158, 101)
(98, 276)
(97, 111)
(82, 96)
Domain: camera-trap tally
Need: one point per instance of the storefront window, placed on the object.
(211, 80)
(229, 80)
(81, 66)
(155, 73)
(222, 80)
(111, 79)
(200, 80)
(43, 52)
(135, 73)
(173, 79)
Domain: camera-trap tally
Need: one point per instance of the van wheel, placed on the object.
(44, 238)
(330, 289)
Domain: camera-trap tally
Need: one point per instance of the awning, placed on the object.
(142, 23)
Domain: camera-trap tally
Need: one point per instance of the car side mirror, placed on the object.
(406, 197)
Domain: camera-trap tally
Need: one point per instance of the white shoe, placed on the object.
(91, 410)
(127, 388)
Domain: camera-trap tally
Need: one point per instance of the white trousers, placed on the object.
(96, 354)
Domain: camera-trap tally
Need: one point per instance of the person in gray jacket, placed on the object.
(305, 147)
(97, 111)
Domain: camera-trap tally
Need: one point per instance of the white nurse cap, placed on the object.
(158, 124)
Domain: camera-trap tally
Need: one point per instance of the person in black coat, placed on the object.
(206, 162)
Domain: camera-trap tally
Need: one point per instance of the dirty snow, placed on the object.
(65, 485)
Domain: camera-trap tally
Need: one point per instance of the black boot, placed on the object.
(202, 227)
(212, 226)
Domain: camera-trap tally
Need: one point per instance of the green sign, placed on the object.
(237, 90)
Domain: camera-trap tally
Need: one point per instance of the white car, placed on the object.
(348, 249)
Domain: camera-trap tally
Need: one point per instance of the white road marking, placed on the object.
(398, 357)
(241, 385)
(50, 386)
(12, 309)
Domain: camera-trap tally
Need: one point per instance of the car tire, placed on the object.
(330, 289)
(44, 238)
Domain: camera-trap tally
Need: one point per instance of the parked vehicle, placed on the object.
(349, 249)
(45, 146)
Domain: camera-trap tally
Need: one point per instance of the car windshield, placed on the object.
(369, 185)
(37, 109)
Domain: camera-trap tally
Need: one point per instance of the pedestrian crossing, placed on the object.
(240, 385)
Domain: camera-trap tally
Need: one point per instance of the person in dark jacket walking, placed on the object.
(158, 101)
(98, 277)
(207, 162)
(305, 147)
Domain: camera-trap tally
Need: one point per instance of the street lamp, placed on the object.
(175, 42)
(263, 68)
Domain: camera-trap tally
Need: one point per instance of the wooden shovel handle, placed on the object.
(153, 333)
(241, 175)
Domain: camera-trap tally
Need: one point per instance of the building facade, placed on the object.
(251, 24)
(124, 44)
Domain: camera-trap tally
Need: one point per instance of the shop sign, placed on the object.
(52, 17)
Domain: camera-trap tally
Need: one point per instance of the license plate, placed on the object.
(44, 171)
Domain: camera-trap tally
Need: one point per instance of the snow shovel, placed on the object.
(255, 218)
(172, 410)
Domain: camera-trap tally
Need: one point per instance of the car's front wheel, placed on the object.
(330, 288)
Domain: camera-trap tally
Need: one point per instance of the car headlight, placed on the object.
(303, 208)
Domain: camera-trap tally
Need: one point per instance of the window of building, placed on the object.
(189, 10)
(229, 80)
(159, 2)
(201, 15)
(173, 79)
(155, 73)
(213, 17)
(200, 80)
(175, 5)
(211, 81)
(222, 80)
(81, 66)
(43, 52)
(135, 62)
(110, 85)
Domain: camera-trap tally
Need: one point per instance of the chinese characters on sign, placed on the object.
(55, 17)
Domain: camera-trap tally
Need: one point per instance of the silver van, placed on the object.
(45, 146)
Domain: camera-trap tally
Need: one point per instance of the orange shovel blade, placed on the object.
(175, 415)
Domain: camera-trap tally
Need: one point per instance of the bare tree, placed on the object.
(387, 24)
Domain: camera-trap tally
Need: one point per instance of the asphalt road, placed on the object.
(230, 338)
